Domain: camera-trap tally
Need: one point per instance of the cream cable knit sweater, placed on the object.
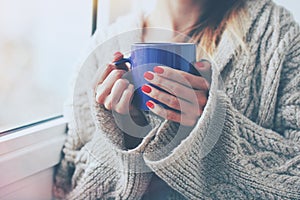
(256, 154)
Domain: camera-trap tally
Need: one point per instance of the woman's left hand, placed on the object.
(186, 94)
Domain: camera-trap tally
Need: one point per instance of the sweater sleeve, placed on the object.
(104, 168)
(228, 156)
(95, 164)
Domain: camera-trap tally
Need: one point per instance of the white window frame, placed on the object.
(27, 159)
(29, 154)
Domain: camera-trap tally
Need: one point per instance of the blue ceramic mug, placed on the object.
(145, 56)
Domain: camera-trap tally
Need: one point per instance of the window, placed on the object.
(40, 43)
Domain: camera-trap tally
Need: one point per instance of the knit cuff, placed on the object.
(104, 121)
(132, 160)
(108, 129)
(169, 135)
(173, 139)
(177, 153)
(205, 134)
(114, 125)
(135, 175)
(181, 166)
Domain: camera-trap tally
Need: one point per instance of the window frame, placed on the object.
(29, 153)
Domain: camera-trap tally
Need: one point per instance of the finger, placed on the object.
(119, 87)
(104, 89)
(175, 88)
(172, 101)
(118, 56)
(108, 69)
(201, 97)
(123, 106)
(116, 92)
(204, 69)
(184, 78)
(108, 102)
(185, 120)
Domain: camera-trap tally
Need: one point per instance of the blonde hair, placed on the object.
(218, 16)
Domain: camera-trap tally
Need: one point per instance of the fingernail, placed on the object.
(158, 70)
(150, 104)
(199, 64)
(117, 56)
(117, 53)
(146, 89)
(148, 75)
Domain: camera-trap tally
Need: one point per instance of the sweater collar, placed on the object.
(227, 47)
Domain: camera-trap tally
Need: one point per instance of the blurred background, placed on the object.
(40, 44)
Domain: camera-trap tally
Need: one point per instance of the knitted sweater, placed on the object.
(246, 144)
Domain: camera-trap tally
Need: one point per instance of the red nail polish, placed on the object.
(117, 56)
(117, 53)
(148, 75)
(146, 89)
(150, 104)
(199, 64)
(158, 70)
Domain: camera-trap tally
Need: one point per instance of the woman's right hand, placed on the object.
(113, 91)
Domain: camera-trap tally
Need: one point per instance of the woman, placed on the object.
(254, 44)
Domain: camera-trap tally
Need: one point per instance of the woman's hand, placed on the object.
(113, 91)
(186, 94)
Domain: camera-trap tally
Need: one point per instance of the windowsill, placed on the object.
(29, 152)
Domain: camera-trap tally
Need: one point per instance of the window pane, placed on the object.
(40, 43)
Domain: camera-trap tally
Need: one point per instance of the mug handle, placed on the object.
(120, 63)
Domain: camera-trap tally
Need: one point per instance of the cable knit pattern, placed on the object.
(246, 145)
